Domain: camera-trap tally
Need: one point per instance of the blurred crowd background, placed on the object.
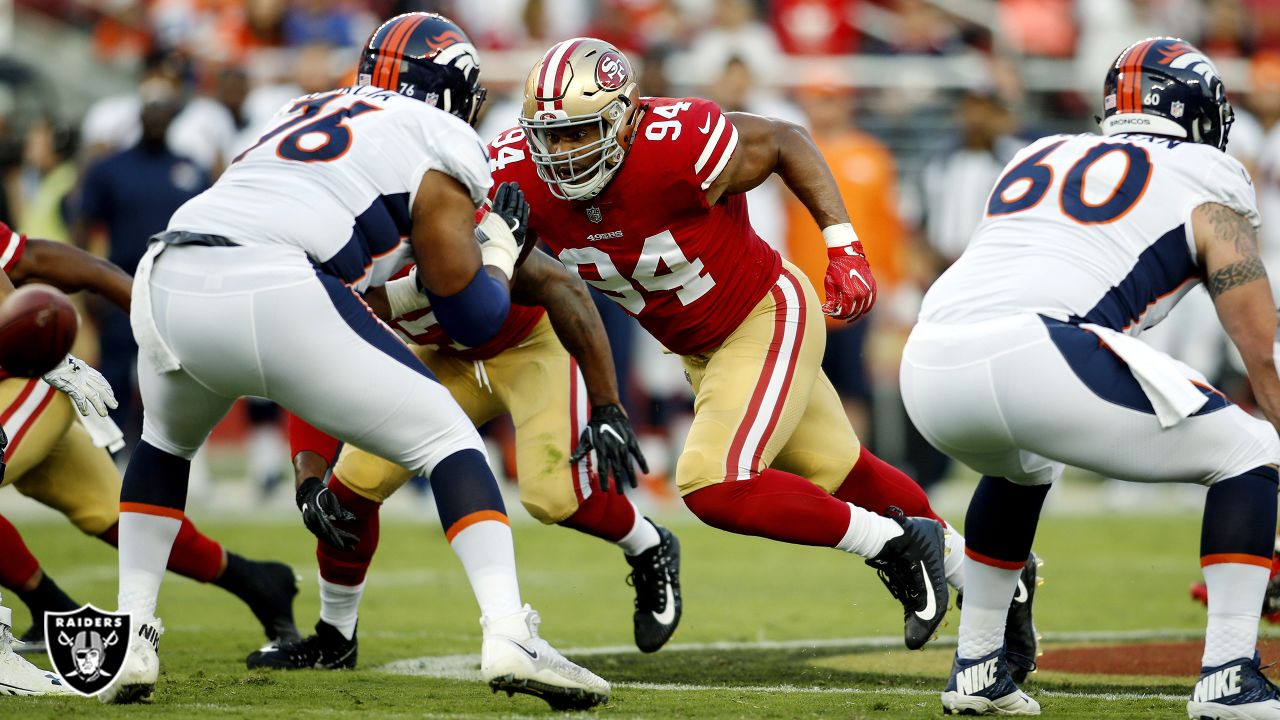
(114, 112)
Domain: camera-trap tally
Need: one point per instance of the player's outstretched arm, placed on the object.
(71, 269)
(768, 146)
(470, 299)
(1237, 281)
(544, 281)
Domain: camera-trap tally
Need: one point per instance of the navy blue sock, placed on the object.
(466, 492)
(1001, 523)
(155, 478)
(1240, 517)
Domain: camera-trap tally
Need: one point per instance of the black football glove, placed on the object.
(609, 433)
(320, 509)
(510, 205)
(4, 445)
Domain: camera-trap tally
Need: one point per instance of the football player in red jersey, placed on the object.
(643, 198)
(545, 366)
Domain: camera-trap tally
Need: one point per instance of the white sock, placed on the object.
(867, 533)
(145, 541)
(953, 564)
(1235, 601)
(643, 535)
(488, 555)
(988, 592)
(340, 606)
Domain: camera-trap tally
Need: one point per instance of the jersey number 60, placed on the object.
(1038, 178)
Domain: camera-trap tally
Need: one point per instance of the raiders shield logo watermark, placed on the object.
(87, 646)
(594, 214)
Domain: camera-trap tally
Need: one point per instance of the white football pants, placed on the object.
(263, 321)
(1020, 396)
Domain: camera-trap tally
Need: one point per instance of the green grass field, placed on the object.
(760, 601)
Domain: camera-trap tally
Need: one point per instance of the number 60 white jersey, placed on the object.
(1091, 228)
(335, 174)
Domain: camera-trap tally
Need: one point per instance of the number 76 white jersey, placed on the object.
(1091, 228)
(335, 174)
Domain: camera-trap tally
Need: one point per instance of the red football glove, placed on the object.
(850, 286)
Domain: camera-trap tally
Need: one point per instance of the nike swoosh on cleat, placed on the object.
(533, 655)
(1021, 595)
(931, 603)
(668, 614)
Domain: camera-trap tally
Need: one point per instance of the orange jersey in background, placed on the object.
(867, 178)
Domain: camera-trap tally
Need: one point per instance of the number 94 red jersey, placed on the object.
(689, 272)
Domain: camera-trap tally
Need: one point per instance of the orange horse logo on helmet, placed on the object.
(443, 40)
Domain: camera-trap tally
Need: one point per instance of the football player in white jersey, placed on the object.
(252, 290)
(1025, 359)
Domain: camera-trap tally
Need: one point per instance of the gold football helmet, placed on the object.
(583, 83)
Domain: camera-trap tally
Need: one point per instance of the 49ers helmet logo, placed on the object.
(612, 71)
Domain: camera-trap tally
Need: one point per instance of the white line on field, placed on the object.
(466, 667)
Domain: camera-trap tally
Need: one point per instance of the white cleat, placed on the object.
(513, 658)
(19, 677)
(137, 678)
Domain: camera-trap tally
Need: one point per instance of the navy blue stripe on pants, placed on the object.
(361, 319)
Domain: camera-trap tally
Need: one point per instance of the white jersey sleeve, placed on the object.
(336, 174)
(1087, 228)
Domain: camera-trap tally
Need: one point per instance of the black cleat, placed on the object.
(326, 650)
(1020, 639)
(655, 574)
(268, 588)
(911, 566)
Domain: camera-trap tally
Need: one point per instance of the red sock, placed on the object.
(606, 515)
(775, 505)
(348, 567)
(875, 485)
(17, 564)
(194, 555)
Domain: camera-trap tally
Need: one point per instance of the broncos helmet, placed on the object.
(428, 57)
(1165, 86)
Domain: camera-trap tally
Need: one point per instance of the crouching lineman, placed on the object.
(527, 372)
(253, 290)
(54, 457)
(1024, 360)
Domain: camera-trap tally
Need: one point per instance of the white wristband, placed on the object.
(403, 295)
(839, 235)
(498, 248)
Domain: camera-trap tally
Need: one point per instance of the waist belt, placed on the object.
(182, 237)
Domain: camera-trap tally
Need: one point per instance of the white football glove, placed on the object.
(84, 385)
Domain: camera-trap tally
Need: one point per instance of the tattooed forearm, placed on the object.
(1236, 274)
(1230, 226)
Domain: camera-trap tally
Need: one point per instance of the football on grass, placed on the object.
(37, 326)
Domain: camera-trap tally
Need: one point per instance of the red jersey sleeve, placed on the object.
(12, 243)
(695, 138)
